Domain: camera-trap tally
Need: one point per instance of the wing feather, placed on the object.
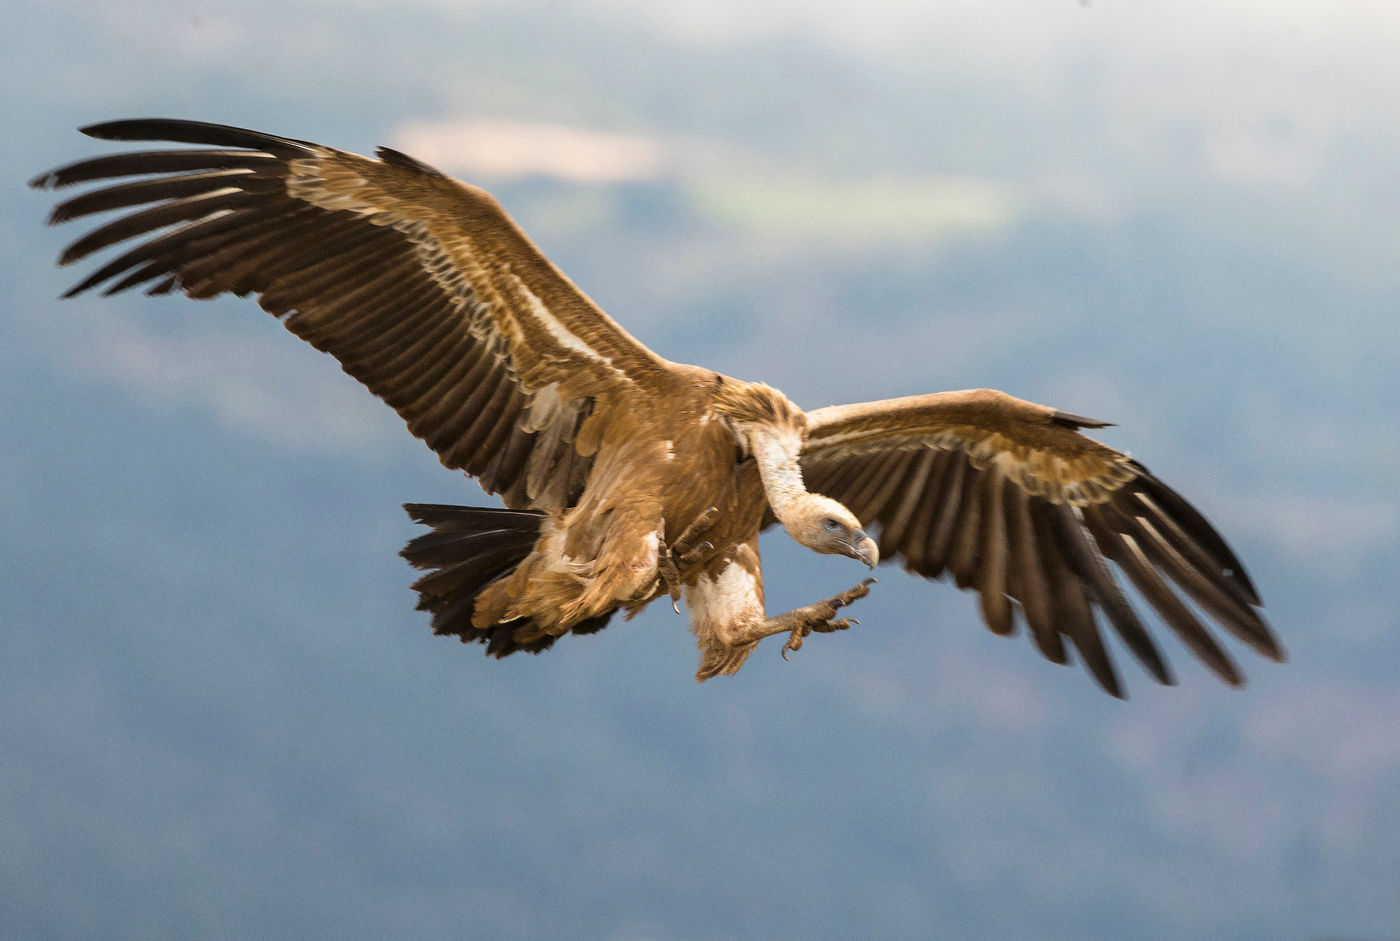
(993, 588)
(1033, 584)
(944, 487)
(206, 205)
(883, 477)
(167, 161)
(903, 505)
(1011, 500)
(423, 288)
(892, 482)
(437, 416)
(1071, 614)
(1084, 558)
(962, 553)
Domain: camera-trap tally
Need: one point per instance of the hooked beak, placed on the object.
(865, 549)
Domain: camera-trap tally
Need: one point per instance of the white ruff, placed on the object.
(776, 455)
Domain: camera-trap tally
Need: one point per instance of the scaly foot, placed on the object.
(819, 617)
(681, 553)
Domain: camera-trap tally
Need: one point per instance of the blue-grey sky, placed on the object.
(220, 716)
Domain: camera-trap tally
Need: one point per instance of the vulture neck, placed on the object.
(776, 453)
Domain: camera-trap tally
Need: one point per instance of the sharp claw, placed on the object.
(675, 606)
(794, 642)
(690, 555)
(698, 526)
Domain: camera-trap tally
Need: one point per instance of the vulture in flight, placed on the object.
(627, 477)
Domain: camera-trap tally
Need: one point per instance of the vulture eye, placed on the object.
(831, 525)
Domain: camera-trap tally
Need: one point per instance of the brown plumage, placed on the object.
(625, 476)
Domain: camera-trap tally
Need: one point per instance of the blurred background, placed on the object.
(220, 716)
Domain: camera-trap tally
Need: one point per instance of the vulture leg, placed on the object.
(681, 553)
(726, 614)
(814, 617)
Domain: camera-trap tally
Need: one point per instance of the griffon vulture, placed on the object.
(627, 477)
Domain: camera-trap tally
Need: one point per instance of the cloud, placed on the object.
(502, 150)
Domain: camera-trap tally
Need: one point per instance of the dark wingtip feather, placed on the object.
(1198, 527)
(192, 132)
(1086, 560)
(1268, 645)
(1095, 658)
(399, 159)
(1108, 682)
(1075, 422)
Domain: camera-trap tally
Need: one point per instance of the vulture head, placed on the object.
(823, 525)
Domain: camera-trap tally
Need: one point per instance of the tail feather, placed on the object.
(468, 549)
(477, 568)
(441, 548)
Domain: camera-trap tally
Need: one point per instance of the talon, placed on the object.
(681, 546)
(794, 641)
(669, 576)
(680, 554)
(691, 555)
(856, 593)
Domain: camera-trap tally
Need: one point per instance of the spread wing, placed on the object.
(1010, 499)
(421, 286)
